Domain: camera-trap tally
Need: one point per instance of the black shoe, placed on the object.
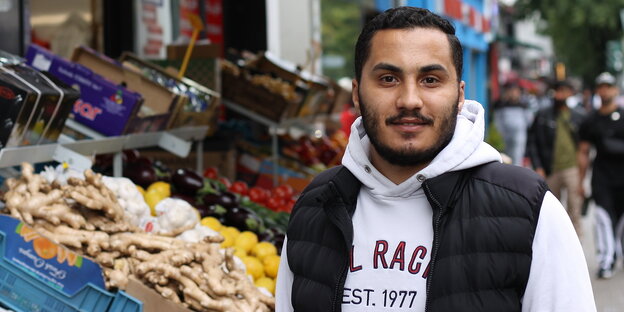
(605, 273)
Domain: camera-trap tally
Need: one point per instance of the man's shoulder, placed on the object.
(517, 179)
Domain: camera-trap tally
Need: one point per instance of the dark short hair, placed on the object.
(406, 17)
(560, 84)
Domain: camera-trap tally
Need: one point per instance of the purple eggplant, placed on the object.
(189, 199)
(187, 181)
(228, 200)
(243, 219)
(140, 174)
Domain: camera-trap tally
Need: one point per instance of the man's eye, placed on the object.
(388, 79)
(429, 80)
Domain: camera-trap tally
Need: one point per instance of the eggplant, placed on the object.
(187, 181)
(228, 200)
(243, 219)
(141, 175)
(211, 199)
(189, 199)
(212, 211)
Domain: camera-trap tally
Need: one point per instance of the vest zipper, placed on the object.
(436, 242)
(342, 280)
(343, 275)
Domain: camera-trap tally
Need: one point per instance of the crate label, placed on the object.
(55, 265)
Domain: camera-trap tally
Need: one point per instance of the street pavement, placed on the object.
(607, 293)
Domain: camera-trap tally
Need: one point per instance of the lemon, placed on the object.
(228, 239)
(240, 252)
(267, 283)
(263, 249)
(141, 190)
(161, 187)
(246, 240)
(152, 198)
(271, 265)
(212, 223)
(253, 266)
(234, 231)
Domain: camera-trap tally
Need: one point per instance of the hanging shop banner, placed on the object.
(211, 12)
(153, 28)
(214, 20)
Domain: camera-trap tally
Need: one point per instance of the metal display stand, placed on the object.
(305, 124)
(78, 154)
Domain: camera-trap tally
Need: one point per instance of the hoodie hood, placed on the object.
(465, 150)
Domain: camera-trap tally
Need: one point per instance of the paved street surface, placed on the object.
(609, 294)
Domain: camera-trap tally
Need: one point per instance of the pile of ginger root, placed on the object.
(84, 216)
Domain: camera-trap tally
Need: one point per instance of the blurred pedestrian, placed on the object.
(604, 130)
(512, 118)
(552, 145)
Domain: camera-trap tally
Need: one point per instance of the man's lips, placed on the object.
(407, 121)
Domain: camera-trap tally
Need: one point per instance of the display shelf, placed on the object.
(306, 124)
(78, 153)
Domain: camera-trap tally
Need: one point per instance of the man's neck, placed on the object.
(607, 108)
(394, 173)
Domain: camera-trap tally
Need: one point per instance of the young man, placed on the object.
(604, 129)
(552, 145)
(422, 215)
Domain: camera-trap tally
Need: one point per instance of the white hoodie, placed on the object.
(393, 234)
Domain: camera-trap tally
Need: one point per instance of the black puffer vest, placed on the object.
(484, 222)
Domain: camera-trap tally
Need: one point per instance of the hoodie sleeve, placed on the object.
(559, 279)
(283, 287)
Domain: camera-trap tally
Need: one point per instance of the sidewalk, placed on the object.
(608, 293)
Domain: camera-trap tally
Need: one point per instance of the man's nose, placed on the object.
(410, 97)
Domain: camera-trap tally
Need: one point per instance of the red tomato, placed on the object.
(239, 187)
(274, 203)
(283, 191)
(225, 182)
(211, 173)
(257, 194)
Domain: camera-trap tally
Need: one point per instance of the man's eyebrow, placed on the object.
(432, 67)
(388, 67)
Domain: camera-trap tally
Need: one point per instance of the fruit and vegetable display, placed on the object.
(166, 246)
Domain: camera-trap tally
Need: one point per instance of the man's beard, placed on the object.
(405, 156)
(559, 103)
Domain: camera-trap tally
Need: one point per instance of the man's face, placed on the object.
(409, 95)
(606, 92)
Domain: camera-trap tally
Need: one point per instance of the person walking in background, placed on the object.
(604, 130)
(552, 146)
(421, 215)
(512, 118)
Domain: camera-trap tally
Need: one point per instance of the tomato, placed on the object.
(283, 191)
(211, 173)
(257, 194)
(239, 187)
(225, 182)
(274, 203)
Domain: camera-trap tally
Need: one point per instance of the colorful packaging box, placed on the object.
(103, 106)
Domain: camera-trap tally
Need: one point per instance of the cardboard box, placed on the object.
(152, 301)
(35, 106)
(201, 107)
(104, 106)
(160, 105)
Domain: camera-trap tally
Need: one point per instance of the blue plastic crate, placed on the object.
(125, 303)
(22, 289)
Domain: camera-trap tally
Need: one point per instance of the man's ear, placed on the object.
(462, 95)
(355, 95)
